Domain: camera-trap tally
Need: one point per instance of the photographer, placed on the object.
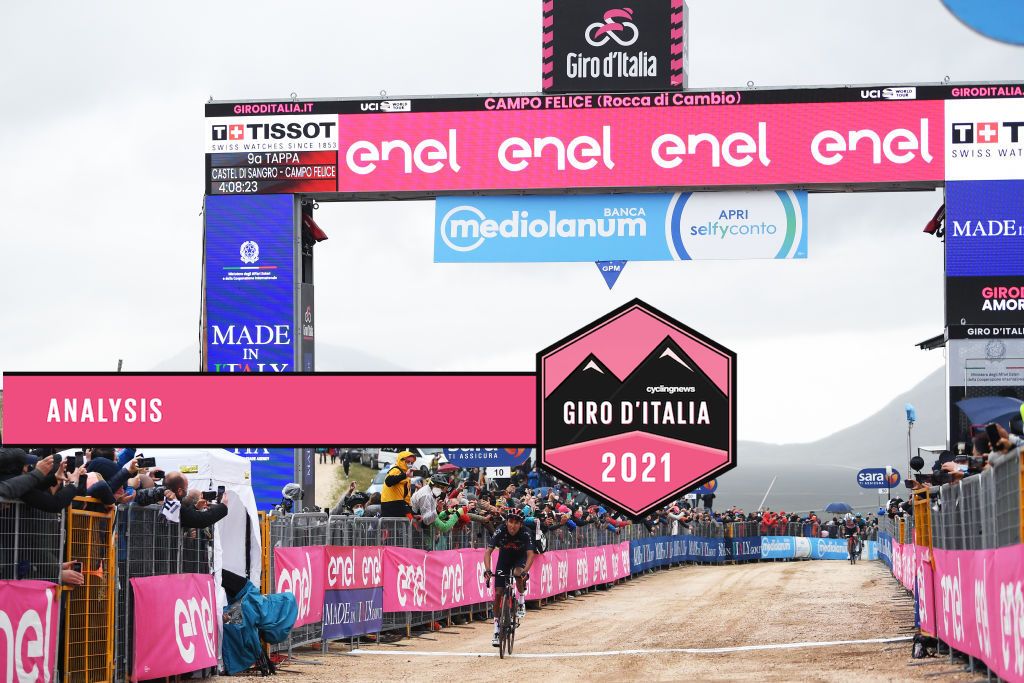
(174, 486)
(17, 477)
(199, 511)
(57, 489)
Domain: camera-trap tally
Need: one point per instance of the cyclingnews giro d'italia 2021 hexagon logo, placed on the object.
(636, 408)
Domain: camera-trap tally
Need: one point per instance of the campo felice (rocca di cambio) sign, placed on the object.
(820, 137)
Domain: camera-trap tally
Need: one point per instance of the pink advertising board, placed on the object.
(30, 612)
(973, 600)
(176, 625)
(352, 567)
(301, 571)
(419, 581)
(643, 146)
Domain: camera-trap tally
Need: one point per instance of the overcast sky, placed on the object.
(102, 186)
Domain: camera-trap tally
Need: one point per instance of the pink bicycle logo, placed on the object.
(599, 33)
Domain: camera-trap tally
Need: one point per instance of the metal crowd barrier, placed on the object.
(148, 544)
(980, 512)
(295, 530)
(31, 542)
(88, 633)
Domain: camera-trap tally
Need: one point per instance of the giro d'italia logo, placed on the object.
(752, 225)
(637, 408)
(249, 252)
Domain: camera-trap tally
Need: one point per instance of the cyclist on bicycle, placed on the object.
(851, 531)
(515, 554)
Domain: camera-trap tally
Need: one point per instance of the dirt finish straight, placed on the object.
(693, 607)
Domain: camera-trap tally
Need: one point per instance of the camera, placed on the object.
(209, 495)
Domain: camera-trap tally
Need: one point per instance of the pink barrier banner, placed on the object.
(351, 567)
(30, 617)
(650, 145)
(979, 606)
(300, 571)
(973, 600)
(419, 581)
(265, 409)
(176, 625)
(405, 580)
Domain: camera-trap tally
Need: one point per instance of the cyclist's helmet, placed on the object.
(848, 517)
(440, 480)
(513, 513)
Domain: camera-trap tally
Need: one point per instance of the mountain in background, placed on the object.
(812, 475)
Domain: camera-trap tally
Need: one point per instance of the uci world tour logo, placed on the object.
(599, 33)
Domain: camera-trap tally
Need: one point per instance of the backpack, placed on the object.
(923, 647)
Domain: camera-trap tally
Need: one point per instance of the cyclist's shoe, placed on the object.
(521, 611)
(494, 640)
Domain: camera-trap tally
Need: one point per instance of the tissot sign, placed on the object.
(594, 45)
(637, 408)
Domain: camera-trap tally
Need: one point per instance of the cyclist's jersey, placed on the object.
(850, 528)
(507, 544)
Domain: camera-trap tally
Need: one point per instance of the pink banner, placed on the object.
(300, 571)
(405, 580)
(420, 581)
(265, 409)
(176, 625)
(645, 145)
(349, 567)
(973, 601)
(29, 620)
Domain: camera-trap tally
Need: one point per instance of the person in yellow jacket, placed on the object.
(394, 497)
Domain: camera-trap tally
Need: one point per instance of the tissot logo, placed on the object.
(311, 130)
(987, 132)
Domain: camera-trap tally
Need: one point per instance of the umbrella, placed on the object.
(838, 508)
(447, 467)
(987, 409)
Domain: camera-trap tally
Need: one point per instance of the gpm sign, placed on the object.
(878, 478)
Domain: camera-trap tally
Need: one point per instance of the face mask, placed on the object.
(436, 490)
(358, 512)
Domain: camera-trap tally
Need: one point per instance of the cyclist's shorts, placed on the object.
(509, 561)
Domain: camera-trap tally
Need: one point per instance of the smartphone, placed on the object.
(57, 457)
(993, 434)
(79, 459)
(76, 567)
(220, 493)
(147, 462)
(157, 474)
(209, 495)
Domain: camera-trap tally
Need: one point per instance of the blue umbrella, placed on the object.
(987, 409)
(838, 508)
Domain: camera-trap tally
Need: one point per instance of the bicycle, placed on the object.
(508, 611)
(853, 548)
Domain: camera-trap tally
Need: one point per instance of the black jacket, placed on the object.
(54, 502)
(193, 518)
(20, 484)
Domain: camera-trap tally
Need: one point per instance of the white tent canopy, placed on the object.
(206, 469)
